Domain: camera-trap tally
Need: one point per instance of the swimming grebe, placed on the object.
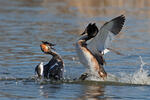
(39, 69)
(91, 54)
(55, 67)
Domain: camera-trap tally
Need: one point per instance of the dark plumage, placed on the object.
(91, 30)
(48, 43)
(116, 24)
(54, 68)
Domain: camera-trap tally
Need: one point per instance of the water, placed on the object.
(25, 23)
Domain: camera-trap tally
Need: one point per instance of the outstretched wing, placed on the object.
(106, 34)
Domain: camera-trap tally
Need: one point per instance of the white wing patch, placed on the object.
(41, 67)
(105, 51)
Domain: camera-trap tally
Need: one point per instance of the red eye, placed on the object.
(44, 48)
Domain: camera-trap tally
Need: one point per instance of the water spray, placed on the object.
(142, 63)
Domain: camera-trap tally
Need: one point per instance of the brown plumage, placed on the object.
(91, 54)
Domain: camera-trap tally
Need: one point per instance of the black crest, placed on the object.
(91, 30)
(50, 44)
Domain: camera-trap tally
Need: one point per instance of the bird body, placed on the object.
(55, 67)
(89, 60)
(91, 54)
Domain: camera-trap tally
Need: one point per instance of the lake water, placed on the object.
(25, 23)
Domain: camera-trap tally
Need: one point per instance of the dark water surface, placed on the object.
(25, 23)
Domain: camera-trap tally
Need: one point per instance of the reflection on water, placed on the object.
(93, 92)
(24, 23)
(49, 91)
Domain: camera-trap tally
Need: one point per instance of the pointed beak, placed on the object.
(53, 48)
(51, 44)
(83, 33)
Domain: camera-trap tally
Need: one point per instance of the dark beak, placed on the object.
(53, 48)
(51, 44)
(83, 33)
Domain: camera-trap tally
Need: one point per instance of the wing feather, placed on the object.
(106, 34)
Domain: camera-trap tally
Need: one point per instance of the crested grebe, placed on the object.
(54, 68)
(39, 69)
(91, 54)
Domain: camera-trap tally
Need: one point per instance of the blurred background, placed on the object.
(25, 23)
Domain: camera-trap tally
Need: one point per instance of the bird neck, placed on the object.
(54, 55)
(85, 38)
(82, 41)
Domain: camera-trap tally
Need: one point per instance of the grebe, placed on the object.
(55, 67)
(39, 69)
(91, 54)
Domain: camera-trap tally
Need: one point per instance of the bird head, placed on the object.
(91, 30)
(47, 47)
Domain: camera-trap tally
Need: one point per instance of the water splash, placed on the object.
(140, 77)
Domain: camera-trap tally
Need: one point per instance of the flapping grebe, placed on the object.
(91, 54)
(55, 67)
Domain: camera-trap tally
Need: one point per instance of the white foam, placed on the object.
(141, 76)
